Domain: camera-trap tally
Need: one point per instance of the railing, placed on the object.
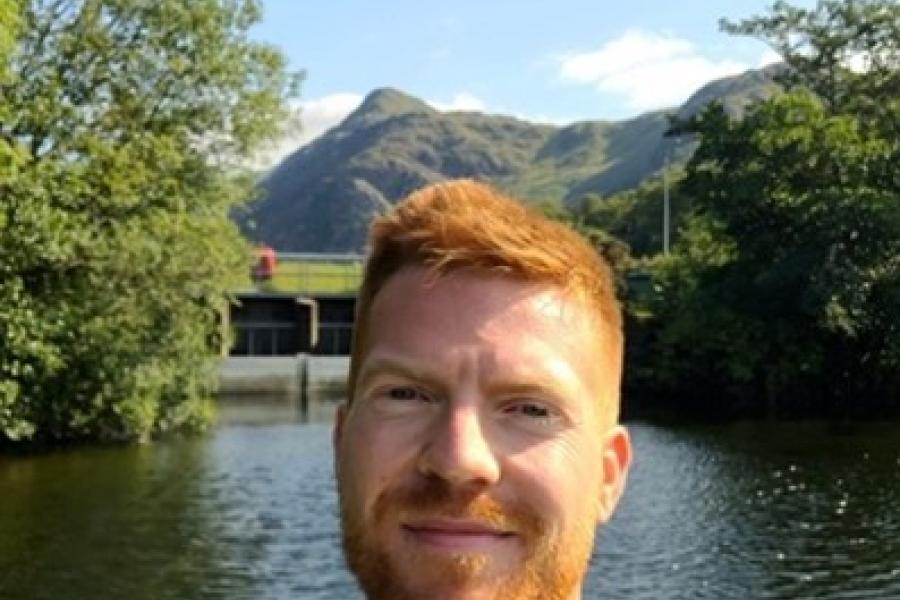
(316, 273)
(265, 339)
(334, 339)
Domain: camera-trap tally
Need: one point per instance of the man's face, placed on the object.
(476, 459)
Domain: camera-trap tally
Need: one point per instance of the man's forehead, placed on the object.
(419, 285)
(466, 307)
(507, 330)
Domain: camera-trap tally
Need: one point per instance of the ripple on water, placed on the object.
(752, 511)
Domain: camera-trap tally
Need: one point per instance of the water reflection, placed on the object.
(274, 409)
(109, 523)
(757, 511)
(753, 511)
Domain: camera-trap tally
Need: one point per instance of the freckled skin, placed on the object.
(492, 392)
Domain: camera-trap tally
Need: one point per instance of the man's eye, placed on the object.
(527, 409)
(406, 393)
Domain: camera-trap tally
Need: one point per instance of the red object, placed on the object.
(265, 264)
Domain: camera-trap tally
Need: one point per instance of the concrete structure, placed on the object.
(291, 336)
(286, 376)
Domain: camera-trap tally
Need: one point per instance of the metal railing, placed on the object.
(334, 339)
(264, 339)
(316, 273)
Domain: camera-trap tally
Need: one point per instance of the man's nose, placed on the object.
(458, 451)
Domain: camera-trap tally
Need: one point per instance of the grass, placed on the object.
(314, 277)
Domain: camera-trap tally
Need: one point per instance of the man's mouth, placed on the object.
(457, 534)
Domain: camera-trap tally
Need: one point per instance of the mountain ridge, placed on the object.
(322, 197)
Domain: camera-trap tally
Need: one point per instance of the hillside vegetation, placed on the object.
(322, 197)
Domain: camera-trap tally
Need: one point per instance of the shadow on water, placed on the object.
(110, 523)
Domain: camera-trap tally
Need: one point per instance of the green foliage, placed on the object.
(635, 216)
(783, 289)
(123, 120)
(9, 27)
(629, 223)
(844, 51)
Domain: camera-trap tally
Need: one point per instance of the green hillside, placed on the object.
(322, 197)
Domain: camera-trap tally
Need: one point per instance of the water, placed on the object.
(744, 512)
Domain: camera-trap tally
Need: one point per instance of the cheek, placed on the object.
(374, 456)
(560, 479)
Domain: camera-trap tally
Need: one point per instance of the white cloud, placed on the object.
(316, 117)
(542, 119)
(767, 58)
(461, 101)
(465, 101)
(647, 69)
(858, 62)
(321, 114)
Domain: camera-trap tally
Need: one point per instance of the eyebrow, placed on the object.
(524, 388)
(411, 369)
(404, 368)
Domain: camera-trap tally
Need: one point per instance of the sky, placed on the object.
(554, 61)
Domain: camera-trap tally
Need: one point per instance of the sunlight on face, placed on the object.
(474, 461)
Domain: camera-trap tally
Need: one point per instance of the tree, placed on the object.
(783, 288)
(635, 216)
(9, 17)
(845, 52)
(10, 22)
(125, 121)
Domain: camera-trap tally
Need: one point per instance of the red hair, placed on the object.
(464, 224)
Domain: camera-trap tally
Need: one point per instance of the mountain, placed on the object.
(322, 197)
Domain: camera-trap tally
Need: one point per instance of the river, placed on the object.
(748, 511)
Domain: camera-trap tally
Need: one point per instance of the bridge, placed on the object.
(291, 331)
(307, 305)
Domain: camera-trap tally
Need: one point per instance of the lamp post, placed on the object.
(665, 232)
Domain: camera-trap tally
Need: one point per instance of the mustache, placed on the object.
(436, 498)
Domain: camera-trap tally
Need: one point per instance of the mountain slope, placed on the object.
(322, 197)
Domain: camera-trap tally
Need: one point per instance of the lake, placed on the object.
(747, 511)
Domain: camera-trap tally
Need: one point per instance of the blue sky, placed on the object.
(555, 61)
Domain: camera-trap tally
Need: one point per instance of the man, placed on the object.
(479, 447)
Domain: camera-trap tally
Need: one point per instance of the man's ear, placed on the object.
(616, 460)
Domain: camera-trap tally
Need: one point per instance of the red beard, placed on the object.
(549, 570)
